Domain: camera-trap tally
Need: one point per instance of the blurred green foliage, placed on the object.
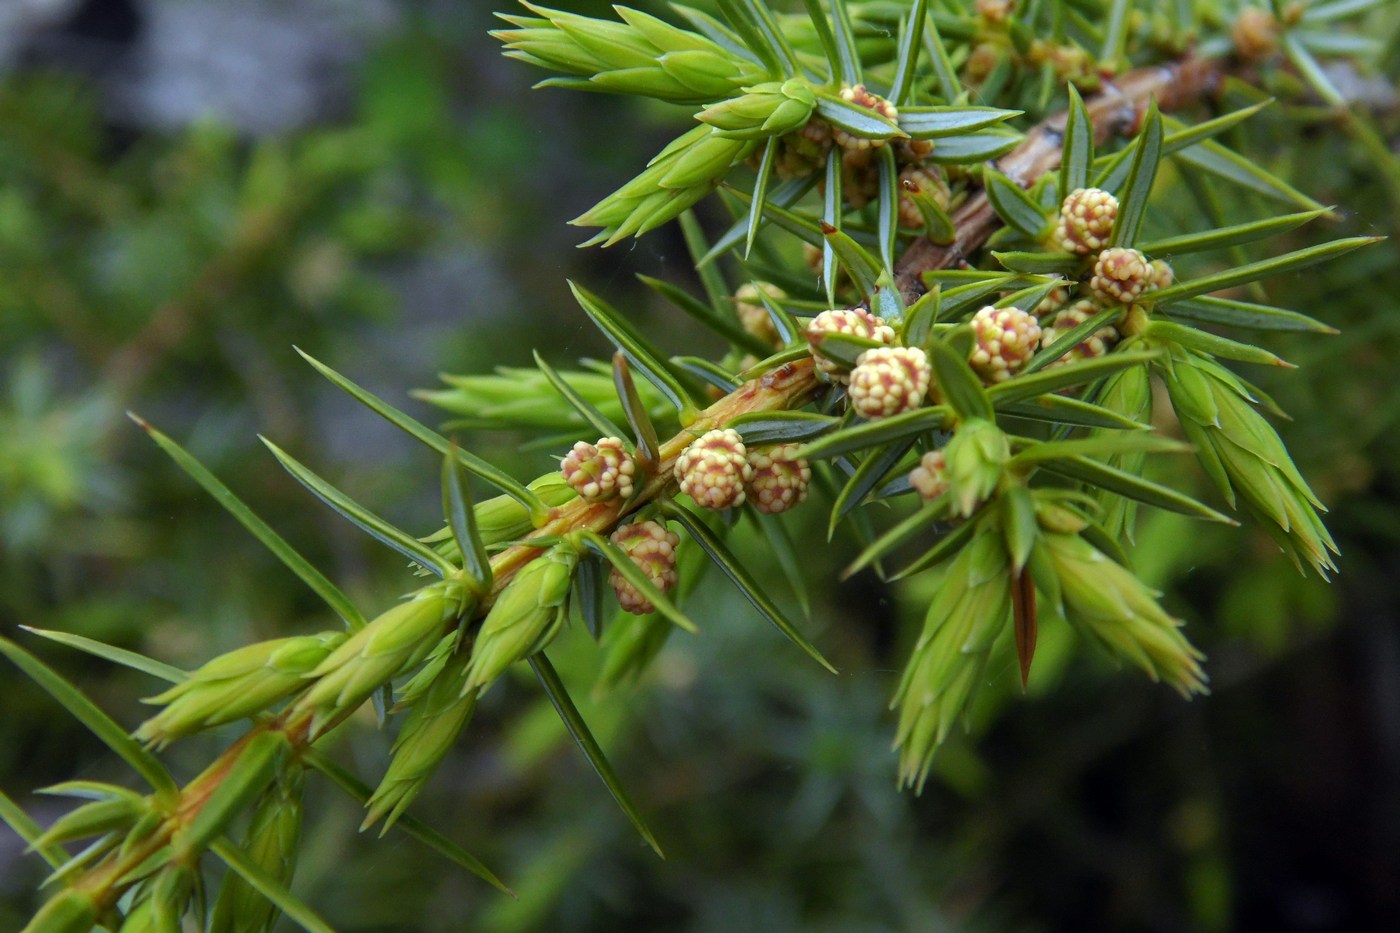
(172, 272)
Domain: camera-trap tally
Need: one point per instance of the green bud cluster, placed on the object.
(432, 725)
(769, 109)
(525, 617)
(677, 177)
(1111, 605)
(970, 609)
(641, 55)
(390, 644)
(973, 461)
(271, 841)
(241, 683)
(1244, 457)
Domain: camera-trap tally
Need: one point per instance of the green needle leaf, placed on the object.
(831, 218)
(604, 425)
(131, 659)
(97, 722)
(835, 66)
(1134, 487)
(1207, 310)
(330, 594)
(940, 122)
(1014, 206)
(564, 706)
(1213, 344)
(958, 383)
(784, 551)
(863, 268)
(845, 43)
(869, 434)
(871, 472)
(635, 348)
(635, 410)
(974, 147)
(30, 831)
(410, 825)
(887, 224)
(1071, 339)
(740, 576)
(425, 435)
(1061, 409)
(269, 887)
(1078, 152)
(1132, 201)
(907, 55)
(759, 428)
(1224, 237)
(361, 517)
(760, 191)
(461, 518)
(1288, 262)
(897, 535)
(1081, 372)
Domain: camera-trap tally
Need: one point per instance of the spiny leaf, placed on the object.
(625, 337)
(854, 119)
(425, 435)
(1133, 487)
(958, 383)
(461, 518)
(897, 535)
(1078, 150)
(1062, 409)
(760, 191)
(907, 54)
(1115, 33)
(1213, 344)
(1223, 237)
(1071, 339)
(942, 63)
(1040, 263)
(638, 418)
(376, 527)
(131, 659)
(784, 551)
(410, 825)
(940, 122)
(1288, 262)
(1013, 205)
(1208, 310)
(330, 594)
(863, 268)
(30, 831)
(871, 472)
(873, 433)
(781, 427)
(974, 147)
(1063, 377)
(269, 887)
(831, 217)
(740, 576)
(845, 43)
(604, 425)
(1036, 453)
(1211, 157)
(887, 222)
(837, 68)
(564, 706)
(785, 194)
(1132, 201)
(97, 722)
(752, 38)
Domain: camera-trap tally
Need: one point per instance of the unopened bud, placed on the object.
(852, 321)
(1086, 220)
(1121, 275)
(930, 477)
(779, 478)
(889, 380)
(601, 471)
(1005, 339)
(714, 469)
(652, 547)
(525, 617)
(1162, 275)
(1255, 33)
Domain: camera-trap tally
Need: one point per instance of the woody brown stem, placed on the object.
(1114, 111)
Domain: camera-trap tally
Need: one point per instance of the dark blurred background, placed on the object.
(188, 188)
